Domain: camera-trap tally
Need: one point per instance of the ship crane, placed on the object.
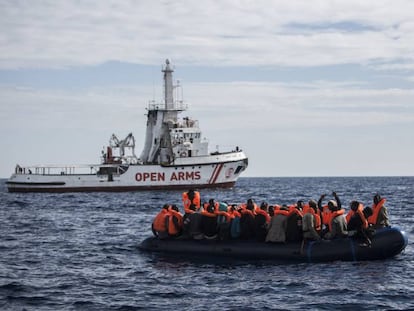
(127, 142)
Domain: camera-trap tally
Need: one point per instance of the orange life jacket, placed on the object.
(244, 206)
(375, 211)
(264, 213)
(234, 214)
(247, 211)
(360, 212)
(159, 221)
(187, 202)
(172, 229)
(306, 208)
(325, 215)
(225, 214)
(281, 212)
(294, 210)
(333, 215)
(349, 215)
(205, 212)
(318, 225)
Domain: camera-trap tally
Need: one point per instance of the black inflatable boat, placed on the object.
(386, 243)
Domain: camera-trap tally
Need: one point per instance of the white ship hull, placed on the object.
(215, 171)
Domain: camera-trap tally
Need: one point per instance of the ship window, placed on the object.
(238, 169)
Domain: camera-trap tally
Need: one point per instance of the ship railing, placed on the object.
(225, 149)
(177, 106)
(87, 169)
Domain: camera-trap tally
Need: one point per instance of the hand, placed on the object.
(334, 194)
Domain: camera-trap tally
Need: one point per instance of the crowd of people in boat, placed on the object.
(301, 221)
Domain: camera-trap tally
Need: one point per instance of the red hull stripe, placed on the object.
(216, 173)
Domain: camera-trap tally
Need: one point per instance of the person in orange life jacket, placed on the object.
(223, 221)
(191, 197)
(192, 224)
(337, 221)
(250, 205)
(358, 223)
(310, 222)
(294, 222)
(159, 226)
(325, 211)
(379, 217)
(261, 221)
(247, 225)
(235, 215)
(209, 219)
(174, 221)
(278, 224)
(313, 208)
(356, 208)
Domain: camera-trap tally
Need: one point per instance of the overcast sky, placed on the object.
(305, 88)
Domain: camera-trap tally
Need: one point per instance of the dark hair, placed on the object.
(191, 194)
(354, 205)
(367, 211)
(250, 204)
(313, 204)
(377, 198)
(271, 210)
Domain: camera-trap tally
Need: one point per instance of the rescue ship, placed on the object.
(175, 156)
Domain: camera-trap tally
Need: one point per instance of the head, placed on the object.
(299, 205)
(313, 205)
(264, 206)
(377, 198)
(191, 194)
(166, 206)
(250, 204)
(284, 207)
(367, 212)
(223, 207)
(175, 208)
(210, 208)
(332, 205)
(271, 210)
(354, 205)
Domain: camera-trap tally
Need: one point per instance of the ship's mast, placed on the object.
(168, 86)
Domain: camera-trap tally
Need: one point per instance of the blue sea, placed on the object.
(78, 251)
